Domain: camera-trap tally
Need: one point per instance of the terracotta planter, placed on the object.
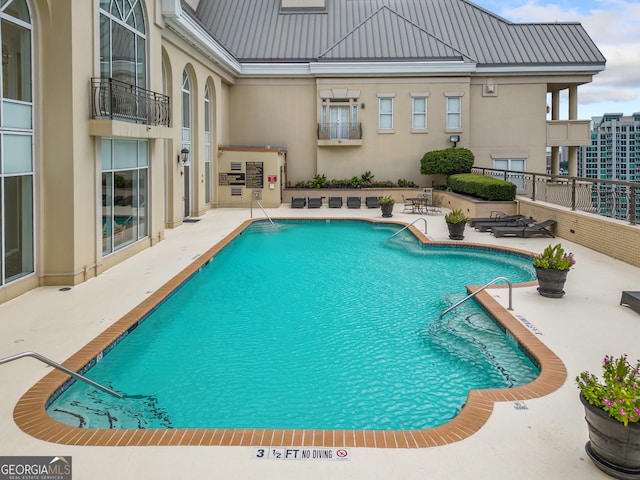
(456, 230)
(551, 282)
(387, 209)
(614, 448)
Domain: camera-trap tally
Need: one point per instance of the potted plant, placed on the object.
(456, 221)
(386, 205)
(552, 267)
(612, 412)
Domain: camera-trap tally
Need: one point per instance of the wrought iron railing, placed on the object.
(113, 99)
(609, 198)
(339, 131)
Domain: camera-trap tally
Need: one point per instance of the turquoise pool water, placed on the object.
(316, 325)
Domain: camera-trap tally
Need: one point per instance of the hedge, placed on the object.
(487, 188)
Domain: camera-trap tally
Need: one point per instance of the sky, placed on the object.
(613, 25)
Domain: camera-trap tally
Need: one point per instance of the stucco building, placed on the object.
(121, 118)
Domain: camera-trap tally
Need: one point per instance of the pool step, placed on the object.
(474, 338)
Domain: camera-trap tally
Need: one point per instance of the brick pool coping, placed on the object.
(30, 414)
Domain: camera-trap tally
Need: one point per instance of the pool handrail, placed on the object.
(263, 211)
(473, 294)
(407, 226)
(53, 364)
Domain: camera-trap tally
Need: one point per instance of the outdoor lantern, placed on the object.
(184, 156)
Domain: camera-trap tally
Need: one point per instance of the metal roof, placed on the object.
(390, 30)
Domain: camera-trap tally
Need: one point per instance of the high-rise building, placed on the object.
(615, 142)
(615, 139)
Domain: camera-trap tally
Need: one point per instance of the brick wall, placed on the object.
(615, 238)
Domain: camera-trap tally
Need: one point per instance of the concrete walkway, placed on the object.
(544, 440)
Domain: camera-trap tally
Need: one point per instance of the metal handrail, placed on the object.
(407, 226)
(114, 99)
(53, 364)
(263, 211)
(478, 291)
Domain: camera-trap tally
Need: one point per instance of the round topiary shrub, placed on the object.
(449, 161)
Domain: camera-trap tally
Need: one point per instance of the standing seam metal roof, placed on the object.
(384, 30)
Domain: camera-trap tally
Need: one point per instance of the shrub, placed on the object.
(480, 186)
(406, 183)
(449, 161)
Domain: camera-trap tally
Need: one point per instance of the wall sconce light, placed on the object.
(184, 156)
(362, 105)
(454, 139)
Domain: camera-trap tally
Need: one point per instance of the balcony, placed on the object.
(568, 133)
(131, 111)
(339, 134)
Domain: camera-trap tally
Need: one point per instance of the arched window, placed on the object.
(186, 111)
(207, 145)
(123, 42)
(186, 143)
(16, 143)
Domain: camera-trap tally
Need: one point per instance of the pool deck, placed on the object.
(536, 438)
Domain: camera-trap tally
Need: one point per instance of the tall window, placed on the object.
(385, 109)
(16, 143)
(123, 42)
(186, 143)
(186, 111)
(125, 174)
(207, 145)
(454, 109)
(419, 113)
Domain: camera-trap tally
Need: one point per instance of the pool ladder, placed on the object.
(407, 226)
(53, 364)
(263, 211)
(471, 295)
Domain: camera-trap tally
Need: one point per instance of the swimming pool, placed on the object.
(316, 437)
(316, 325)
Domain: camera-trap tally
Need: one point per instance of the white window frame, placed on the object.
(510, 161)
(453, 119)
(387, 125)
(16, 121)
(415, 114)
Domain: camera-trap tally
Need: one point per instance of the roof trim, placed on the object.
(192, 32)
(511, 69)
(357, 68)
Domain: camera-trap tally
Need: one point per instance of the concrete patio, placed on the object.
(544, 440)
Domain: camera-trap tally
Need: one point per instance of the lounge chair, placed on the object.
(517, 222)
(525, 231)
(495, 216)
(372, 202)
(631, 299)
(314, 202)
(354, 202)
(335, 202)
(298, 202)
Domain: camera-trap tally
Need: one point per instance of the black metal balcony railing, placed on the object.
(608, 198)
(339, 131)
(114, 99)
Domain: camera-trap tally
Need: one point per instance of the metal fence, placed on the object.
(339, 131)
(609, 198)
(114, 99)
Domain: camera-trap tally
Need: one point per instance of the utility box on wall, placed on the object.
(247, 173)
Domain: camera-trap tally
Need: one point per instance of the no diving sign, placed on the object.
(301, 453)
